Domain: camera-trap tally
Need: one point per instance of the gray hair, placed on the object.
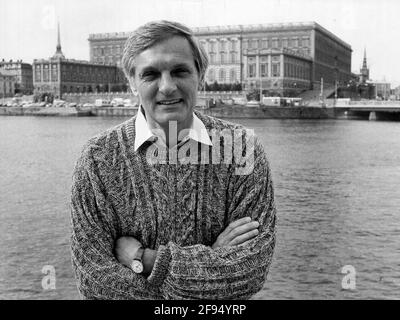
(154, 32)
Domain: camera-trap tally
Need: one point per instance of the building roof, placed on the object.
(6, 73)
(235, 29)
(72, 61)
(270, 27)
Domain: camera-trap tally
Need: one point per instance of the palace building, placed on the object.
(22, 73)
(7, 83)
(280, 59)
(58, 75)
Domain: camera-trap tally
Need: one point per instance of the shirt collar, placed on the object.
(143, 133)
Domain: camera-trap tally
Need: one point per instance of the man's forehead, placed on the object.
(171, 51)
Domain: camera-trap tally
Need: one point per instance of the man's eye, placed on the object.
(181, 72)
(148, 76)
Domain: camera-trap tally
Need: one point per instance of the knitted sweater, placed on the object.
(177, 209)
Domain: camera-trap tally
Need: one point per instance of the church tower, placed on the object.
(58, 53)
(364, 70)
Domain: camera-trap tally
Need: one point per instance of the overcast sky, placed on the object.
(28, 27)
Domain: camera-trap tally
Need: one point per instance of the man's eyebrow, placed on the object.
(181, 65)
(147, 69)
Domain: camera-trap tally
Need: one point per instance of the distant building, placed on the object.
(107, 48)
(284, 59)
(22, 73)
(7, 84)
(364, 71)
(382, 90)
(58, 75)
(396, 92)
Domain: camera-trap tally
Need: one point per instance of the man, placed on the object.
(152, 216)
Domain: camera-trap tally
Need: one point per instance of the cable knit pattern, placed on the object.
(177, 209)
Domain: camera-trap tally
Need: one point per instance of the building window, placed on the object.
(284, 42)
(211, 76)
(233, 45)
(223, 60)
(253, 44)
(46, 73)
(251, 68)
(264, 69)
(296, 42)
(54, 73)
(306, 41)
(233, 75)
(222, 75)
(38, 76)
(264, 43)
(276, 66)
(275, 43)
(233, 57)
(212, 46)
(222, 45)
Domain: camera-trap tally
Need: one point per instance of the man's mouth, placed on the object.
(169, 102)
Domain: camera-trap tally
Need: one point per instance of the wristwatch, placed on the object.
(137, 265)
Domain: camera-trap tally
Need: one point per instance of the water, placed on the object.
(337, 188)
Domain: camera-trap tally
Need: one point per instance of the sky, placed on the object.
(28, 28)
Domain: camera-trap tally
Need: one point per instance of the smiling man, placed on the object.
(171, 230)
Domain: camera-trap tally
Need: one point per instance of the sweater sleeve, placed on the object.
(99, 275)
(236, 272)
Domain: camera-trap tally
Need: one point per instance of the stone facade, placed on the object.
(59, 76)
(22, 73)
(7, 82)
(284, 59)
(107, 48)
(382, 90)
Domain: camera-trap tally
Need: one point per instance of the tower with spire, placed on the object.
(364, 71)
(58, 53)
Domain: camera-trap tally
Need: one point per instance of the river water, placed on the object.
(337, 188)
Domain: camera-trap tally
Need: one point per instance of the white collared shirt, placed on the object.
(143, 132)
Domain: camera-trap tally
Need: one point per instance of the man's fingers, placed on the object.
(236, 229)
(244, 237)
(241, 229)
(237, 223)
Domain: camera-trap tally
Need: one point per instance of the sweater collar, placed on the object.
(143, 132)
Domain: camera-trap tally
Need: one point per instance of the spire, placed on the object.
(364, 70)
(365, 59)
(58, 53)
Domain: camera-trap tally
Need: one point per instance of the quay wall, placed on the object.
(238, 111)
(235, 111)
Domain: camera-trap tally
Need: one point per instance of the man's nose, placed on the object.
(167, 84)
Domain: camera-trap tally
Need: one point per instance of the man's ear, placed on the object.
(132, 85)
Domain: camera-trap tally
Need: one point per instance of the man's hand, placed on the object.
(238, 232)
(125, 250)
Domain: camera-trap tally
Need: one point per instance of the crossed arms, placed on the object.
(234, 267)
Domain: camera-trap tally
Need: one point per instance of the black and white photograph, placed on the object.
(199, 150)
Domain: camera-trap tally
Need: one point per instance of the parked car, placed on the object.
(117, 102)
(102, 103)
(59, 103)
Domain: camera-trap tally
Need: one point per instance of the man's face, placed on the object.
(167, 80)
